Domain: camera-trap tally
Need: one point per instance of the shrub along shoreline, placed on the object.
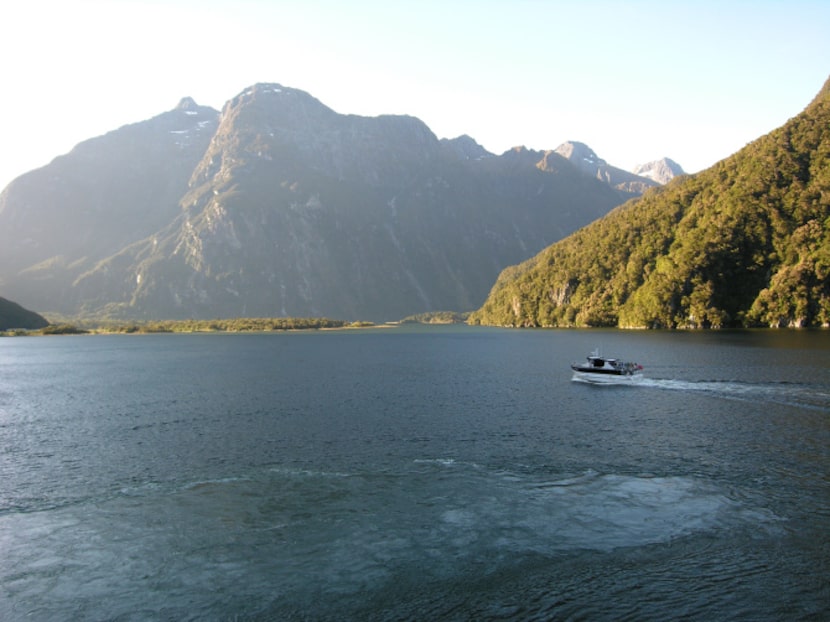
(232, 325)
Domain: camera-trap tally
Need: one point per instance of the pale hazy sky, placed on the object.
(694, 81)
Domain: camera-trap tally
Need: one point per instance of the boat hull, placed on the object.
(593, 377)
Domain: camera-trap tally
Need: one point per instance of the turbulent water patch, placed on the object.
(438, 519)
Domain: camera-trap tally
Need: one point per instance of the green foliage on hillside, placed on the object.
(229, 325)
(437, 317)
(232, 325)
(62, 329)
(744, 243)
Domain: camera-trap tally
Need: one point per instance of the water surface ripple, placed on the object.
(446, 473)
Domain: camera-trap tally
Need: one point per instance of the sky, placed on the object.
(636, 81)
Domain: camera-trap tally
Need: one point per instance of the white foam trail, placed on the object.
(791, 394)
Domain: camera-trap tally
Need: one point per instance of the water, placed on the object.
(448, 473)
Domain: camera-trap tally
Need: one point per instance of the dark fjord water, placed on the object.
(450, 473)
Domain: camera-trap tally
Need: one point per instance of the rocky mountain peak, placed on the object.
(585, 160)
(466, 148)
(278, 103)
(268, 127)
(187, 103)
(580, 154)
(662, 171)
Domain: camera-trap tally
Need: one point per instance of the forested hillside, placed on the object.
(744, 243)
(12, 315)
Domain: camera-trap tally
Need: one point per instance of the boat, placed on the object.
(606, 370)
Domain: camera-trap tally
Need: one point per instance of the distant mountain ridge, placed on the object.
(280, 206)
(584, 159)
(467, 148)
(744, 243)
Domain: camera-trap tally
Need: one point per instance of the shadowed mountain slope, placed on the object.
(60, 220)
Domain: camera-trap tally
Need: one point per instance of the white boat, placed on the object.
(606, 370)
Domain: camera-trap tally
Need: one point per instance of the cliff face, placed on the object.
(281, 206)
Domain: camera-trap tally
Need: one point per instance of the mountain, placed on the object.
(279, 206)
(662, 171)
(12, 315)
(744, 243)
(59, 221)
(466, 148)
(584, 159)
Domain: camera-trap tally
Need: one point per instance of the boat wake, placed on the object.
(786, 393)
